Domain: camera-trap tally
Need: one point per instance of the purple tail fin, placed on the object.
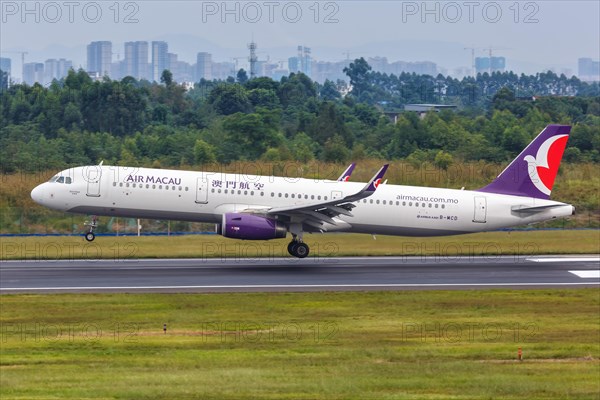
(532, 173)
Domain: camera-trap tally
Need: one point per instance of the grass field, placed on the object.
(368, 345)
(326, 245)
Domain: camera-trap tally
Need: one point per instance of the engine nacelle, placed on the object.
(250, 227)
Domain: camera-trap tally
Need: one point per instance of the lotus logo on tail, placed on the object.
(377, 183)
(543, 168)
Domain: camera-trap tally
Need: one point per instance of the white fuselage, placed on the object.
(206, 196)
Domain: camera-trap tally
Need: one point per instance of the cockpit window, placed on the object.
(61, 179)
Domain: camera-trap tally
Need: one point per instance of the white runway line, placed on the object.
(590, 273)
(566, 259)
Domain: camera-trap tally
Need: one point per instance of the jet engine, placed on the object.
(250, 227)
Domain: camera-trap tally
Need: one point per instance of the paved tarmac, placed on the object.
(288, 274)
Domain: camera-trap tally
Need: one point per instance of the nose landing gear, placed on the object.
(93, 224)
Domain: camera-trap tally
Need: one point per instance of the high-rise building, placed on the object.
(5, 65)
(136, 60)
(160, 59)
(302, 62)
(588, 69)
(99, 58)
(33, 72)
(5, 69)
(56, 69)
(204, 66)
(489, 65)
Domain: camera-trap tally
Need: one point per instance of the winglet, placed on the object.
(376, 180)
(345, 176)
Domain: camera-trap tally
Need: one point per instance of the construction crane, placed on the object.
(490, 50)
(23, 54)
(472, 57)
(235, 64)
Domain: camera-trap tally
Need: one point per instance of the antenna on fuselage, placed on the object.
(101, 162)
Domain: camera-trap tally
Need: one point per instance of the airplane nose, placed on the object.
(37, 194)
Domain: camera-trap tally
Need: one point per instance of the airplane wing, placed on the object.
(345, 176)
(318, 213)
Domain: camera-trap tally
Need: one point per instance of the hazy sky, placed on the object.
(531, 34)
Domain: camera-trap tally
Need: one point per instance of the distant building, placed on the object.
(303, 62)
(6, 67)
(136, 60)
(323, 70)
(588, 70)
(160, 59)
(56, 69)
(223, 70)
(5, 64)
(33, 72)
(99, 58)
(423, 109)
(182, 71)
(204, 66)
(489, 65)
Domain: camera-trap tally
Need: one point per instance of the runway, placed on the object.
(287, 274)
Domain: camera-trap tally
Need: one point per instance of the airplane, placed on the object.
(255, 207)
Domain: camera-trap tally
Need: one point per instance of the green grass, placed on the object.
(367, 345)
(325, 245)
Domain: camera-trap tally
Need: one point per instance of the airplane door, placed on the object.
(480, 209)
(336, 194)
(93, 177)
(202, 190)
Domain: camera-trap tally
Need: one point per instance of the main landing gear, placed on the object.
(93, 224)
(298, 249)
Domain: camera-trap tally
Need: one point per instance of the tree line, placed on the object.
(78, 120)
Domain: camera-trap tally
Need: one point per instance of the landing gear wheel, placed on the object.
(292, 247)
(93, 224)
(301, 250)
